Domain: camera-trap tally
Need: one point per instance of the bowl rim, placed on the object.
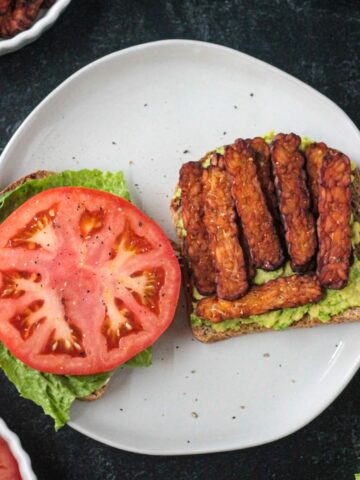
(39, 26)
(19, 453)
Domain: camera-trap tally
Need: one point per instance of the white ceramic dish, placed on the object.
(146, 110)
(44, 21)
(15, 446)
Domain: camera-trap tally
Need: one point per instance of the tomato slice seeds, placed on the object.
(87, 281)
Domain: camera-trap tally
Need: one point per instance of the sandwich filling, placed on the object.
(56, 393)
(333, 301)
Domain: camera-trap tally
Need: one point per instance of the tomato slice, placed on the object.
(87, 281)
(9, 469)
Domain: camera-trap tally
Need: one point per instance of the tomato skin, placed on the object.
(87, 281)
(9, 469)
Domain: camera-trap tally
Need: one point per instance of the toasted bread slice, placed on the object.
(35, 176)
(96, 394)
(206, 334)
(32, 176)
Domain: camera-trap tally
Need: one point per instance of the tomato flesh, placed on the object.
(9, 469)
(87, 281)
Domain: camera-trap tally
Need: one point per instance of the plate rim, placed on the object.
(175, 42)
(220, 48)
(205, 451)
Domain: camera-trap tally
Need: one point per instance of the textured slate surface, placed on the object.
(318, 42)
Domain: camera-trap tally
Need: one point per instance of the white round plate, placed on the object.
(146, 110)
(20, 455)
(44, 21)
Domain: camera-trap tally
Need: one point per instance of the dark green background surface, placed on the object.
(318, 42)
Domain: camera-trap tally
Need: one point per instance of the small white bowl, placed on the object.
(45, 19)
(21, 456)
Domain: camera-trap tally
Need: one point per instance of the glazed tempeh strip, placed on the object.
(333, 224)
(294, 200)
(263, 164)
(256, 219)
(4, 6)
(315, 154)
(219, 219)
(284, 292)
(196, 240)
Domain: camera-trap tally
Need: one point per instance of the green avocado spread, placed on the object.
(333, 303)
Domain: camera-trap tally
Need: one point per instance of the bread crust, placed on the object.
(96, 394)
(31, 176)
(206, 334)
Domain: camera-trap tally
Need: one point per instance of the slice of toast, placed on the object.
(206, 334)
(35, 176)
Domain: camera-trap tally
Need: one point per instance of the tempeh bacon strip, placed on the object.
(314, 155)
(284, 292)
(20, 17)
(196, 240)
(333, 224)
(294, 200)
(263, 164)
(219, 219)
(256, 219)
(4, 6)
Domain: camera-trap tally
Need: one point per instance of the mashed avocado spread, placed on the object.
(333, 303)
